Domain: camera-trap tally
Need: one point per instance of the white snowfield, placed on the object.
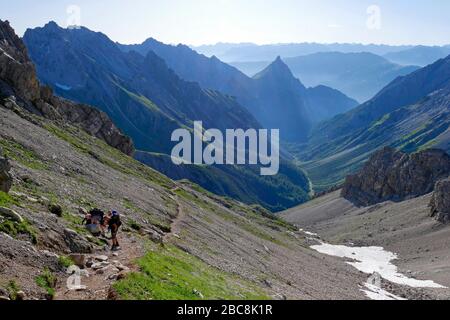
(372, 260)
(63, 87)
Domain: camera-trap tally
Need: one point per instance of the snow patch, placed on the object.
(372, 260)
(7, 55)
(63, 87)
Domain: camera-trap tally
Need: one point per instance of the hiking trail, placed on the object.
(96, 283)
(175, 225)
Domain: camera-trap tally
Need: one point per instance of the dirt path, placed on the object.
(98, 282)
(175, 225)
(96, 285)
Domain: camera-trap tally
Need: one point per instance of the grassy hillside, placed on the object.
(67, 167)
(232, 249)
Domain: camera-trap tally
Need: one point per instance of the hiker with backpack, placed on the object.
(94, 220)
(97, 222)
(114, 224)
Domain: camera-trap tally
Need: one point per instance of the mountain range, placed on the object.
(358, 75)
(326, 131)
(418, 55)
(411, 113)
(59, 157)
(274, 96)
(231, 52)
(248, 52)
(148, 101)
(140, 93)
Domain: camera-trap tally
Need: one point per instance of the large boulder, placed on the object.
(76, 243)
(393, 175)
(440, 202)
(5, 177)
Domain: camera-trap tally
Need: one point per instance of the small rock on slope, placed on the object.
(76, 243)
(5, 177)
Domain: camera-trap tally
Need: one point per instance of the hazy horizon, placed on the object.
(235, 43)
(203, 22)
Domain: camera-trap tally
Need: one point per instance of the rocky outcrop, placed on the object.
(396, 176)
(76, 243)
(18, 79)
(10, 214)
(93, 121)
(5, 177)
(440, 202)
(16, 69)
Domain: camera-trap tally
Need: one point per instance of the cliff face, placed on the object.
(440, 202)
(396, 176)
(16, 70)
(20, 88)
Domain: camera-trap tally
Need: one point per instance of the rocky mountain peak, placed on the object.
(277, 69)
(20, 89)
(16, 70)
(51, 25)
(396, 176)
(151, 41)
(11, 44)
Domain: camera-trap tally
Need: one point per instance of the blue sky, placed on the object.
(269, 21)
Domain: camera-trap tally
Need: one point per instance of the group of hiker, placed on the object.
(98, 223)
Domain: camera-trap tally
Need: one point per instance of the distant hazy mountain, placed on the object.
(191, 66)
(358, 75)
(326, 101)
(298, 108)
(220, 48)
(148, 100)
(275, 97)
(420, 55)
(411, 113)
(252, 52)
(399, 93)
(282, 102)
(250, 68)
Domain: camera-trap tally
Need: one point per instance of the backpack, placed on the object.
(97, 214)
(115, 220)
